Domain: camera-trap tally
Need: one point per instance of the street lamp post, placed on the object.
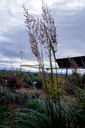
(21, 52)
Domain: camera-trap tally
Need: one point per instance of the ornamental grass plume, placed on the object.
(48, 31)
(33, 29)
(73, 65)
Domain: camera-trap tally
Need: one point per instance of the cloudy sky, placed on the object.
(69, 18)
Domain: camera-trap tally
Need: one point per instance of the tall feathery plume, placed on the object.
(48, 30)
(33, 32)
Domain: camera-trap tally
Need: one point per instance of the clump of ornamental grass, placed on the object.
(55, 114)
(74, 80)
(75, 89)
(42, 36)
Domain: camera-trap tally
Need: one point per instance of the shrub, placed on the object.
(83, 80)
(15, 82)
(2, 81)
(38, 81)
(20, 83)
(54, 91)
(11, 81)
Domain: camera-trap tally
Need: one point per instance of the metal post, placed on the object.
(21, 52)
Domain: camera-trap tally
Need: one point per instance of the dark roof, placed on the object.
(64, 62)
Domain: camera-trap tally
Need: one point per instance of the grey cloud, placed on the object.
(71, 39)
